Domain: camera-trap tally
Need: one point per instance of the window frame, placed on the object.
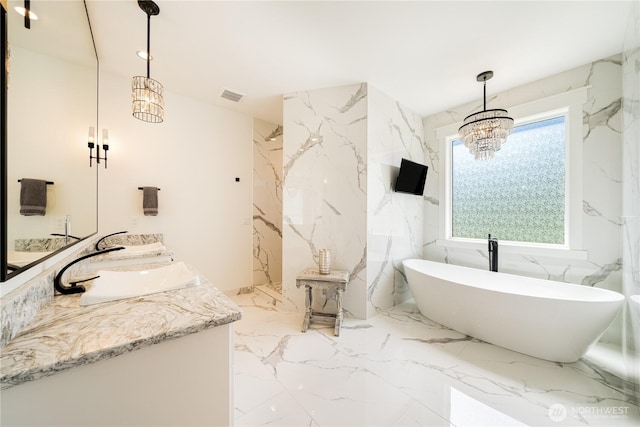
(570, 104)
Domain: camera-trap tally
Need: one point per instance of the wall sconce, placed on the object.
(26, 12)
(91, 144)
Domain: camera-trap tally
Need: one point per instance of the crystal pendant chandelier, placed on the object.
(483, 133)
(146, 93)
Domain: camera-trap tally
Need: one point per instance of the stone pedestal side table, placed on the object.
(332, 286)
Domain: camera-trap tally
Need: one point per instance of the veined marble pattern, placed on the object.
(602, 182)
(41, 245)
(133, 239)
(267, 204)
(400, 369)
(325, 188)
(52, 244)
(21, 305)
(18, 308)
(343, 148)
(394, 220)
(631, 185)
(64, 335)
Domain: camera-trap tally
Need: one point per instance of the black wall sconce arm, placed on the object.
(105, 146)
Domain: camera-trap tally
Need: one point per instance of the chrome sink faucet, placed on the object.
(493, 253)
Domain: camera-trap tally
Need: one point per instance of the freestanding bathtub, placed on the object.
(551, 320)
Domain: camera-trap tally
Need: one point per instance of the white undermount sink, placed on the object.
(116, 285)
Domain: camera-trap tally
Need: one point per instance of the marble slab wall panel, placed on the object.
(325, 188)
(267, 203)
(631, 190)
(602, 181)
(394, 220)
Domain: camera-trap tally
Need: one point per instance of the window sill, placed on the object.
(516, 249)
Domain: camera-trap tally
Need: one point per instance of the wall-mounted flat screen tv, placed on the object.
(411, 178)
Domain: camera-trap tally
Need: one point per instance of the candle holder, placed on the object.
(324, 261)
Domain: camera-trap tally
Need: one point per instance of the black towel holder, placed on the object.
(48, 182)
(142, 188)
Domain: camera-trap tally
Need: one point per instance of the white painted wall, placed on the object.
(49, 142)
(194, 157)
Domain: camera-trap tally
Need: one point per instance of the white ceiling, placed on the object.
(425, 54)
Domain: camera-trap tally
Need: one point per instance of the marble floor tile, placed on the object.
(280, 410)
(401, 369)
(419, 415)
(256, 381)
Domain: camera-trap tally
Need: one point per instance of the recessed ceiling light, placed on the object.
(143, 55)
(22, 11)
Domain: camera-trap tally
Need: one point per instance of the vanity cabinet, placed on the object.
(155, 360)
(180, 382)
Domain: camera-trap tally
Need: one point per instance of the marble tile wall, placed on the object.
(394, 220)
(602, 181)
(342, 150)
(267, 204)
(631, 190)
(325, 188)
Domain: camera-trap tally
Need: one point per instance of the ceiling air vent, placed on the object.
(231, 95)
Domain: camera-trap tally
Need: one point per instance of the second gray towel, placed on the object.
(150, 201)
(33, 197)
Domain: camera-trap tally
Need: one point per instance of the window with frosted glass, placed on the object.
(519, 195)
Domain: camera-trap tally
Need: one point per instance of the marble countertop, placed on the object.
(64, 335)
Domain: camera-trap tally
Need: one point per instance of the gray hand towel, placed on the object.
(33, 197)
(150, 201)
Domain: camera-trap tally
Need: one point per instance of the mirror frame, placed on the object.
(4, 40)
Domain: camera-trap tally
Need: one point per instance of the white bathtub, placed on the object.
(551, 320)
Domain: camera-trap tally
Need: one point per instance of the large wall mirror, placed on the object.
(51, 102)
